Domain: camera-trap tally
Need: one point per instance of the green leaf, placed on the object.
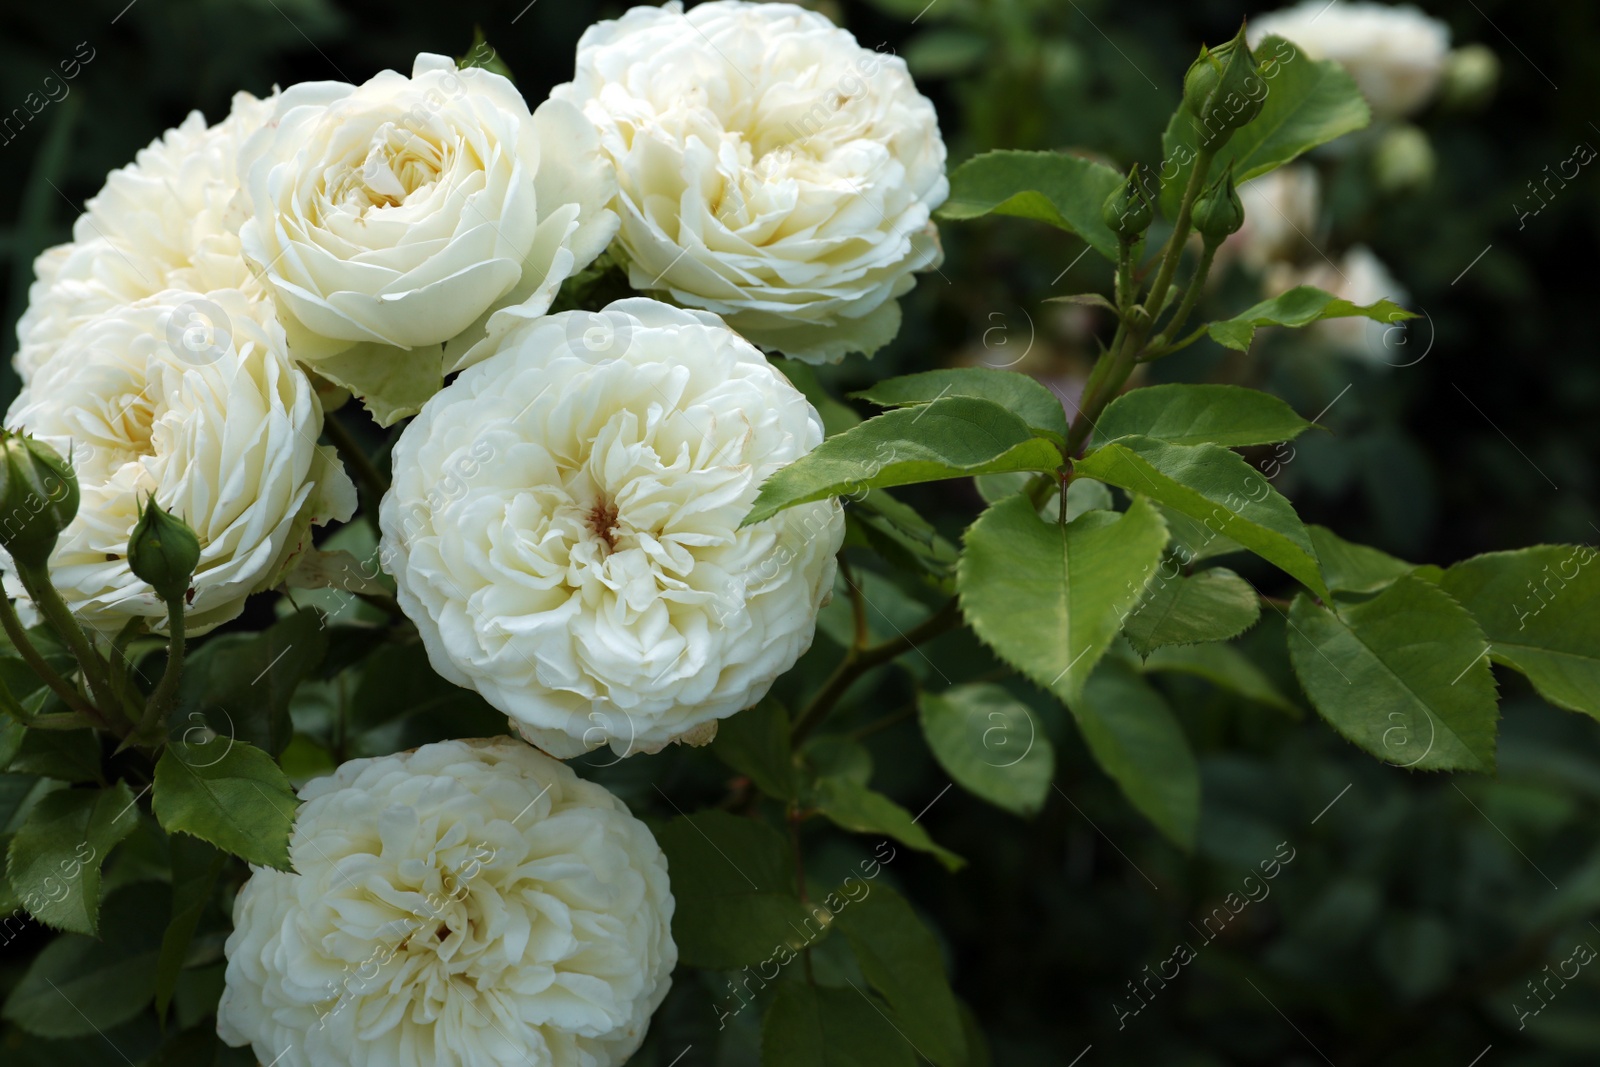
(483, 56)
(954, 437)
(812, 1026)
(1403, 675)
(1540, 610)
(79, 985)
(195, 866)
(1023, 396)
(1212, 605)
(241, 685)
(400, 690)
(1217, 487)
(1223, 666)
(66, 755)
(735, 889)
(1308, 102)
(1192, 540)
(755, 743)
(1351, 568)
(902, 537)
(834, 756)
(852, 806)
(1227, 415)
(391, 383)
(1050, 598)
(1300, 306)
(238, 799)
(1065, 191)
(54, 861)
(11, 735)
(991, 743)
(900, 958)
(1134, 737)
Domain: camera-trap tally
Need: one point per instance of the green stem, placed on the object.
(36, 663)
(155, 709)
(1152, 354)
(1111, 373)
(1124, 291)
(55, 611)
(859, 661)
(1180, 229)
(1191, 297)
(858, 603)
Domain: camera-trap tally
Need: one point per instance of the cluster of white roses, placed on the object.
(564, 523)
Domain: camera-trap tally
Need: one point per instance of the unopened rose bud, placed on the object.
(1128, 210)
(163, 551)
(1223, 89)
(1471, 75)
(38, 498)
(1218, 212)
(1404, 161)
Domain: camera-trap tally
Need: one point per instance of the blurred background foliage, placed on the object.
(1420, 916)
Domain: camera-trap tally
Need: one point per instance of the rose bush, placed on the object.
(564, 528)
(771, 169)
(252, 822)
(471, 902)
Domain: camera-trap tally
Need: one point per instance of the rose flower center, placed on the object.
(602, 519)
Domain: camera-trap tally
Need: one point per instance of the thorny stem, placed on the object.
(858, 603)
(24, 647)
(1117, 363)
(859, 661)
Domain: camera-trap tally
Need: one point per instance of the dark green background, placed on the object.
(1418, 906)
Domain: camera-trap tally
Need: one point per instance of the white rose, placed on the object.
(466, 903)
(1396, 54)
(772, 170)
(408, 212)
(564, 528)
(1361, 278)
(160, 223)
(1280, 218)
(191, 398)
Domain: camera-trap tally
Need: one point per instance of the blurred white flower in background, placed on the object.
(1360, 277)
(772, 170)
(563, 528)
(408, 212)
(191, 398)
(464, 904)
(1395, 53)
(162, 222)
